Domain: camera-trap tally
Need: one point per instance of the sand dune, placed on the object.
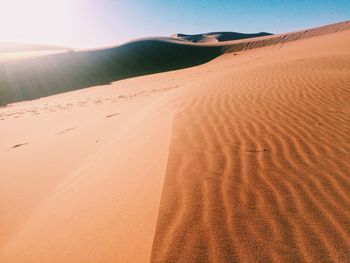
(242, 159)
(72, 70)
(217, 36)
(56, 73)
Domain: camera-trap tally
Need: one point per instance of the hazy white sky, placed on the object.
(92, 23)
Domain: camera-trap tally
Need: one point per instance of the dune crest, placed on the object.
(215, 37)
(46, 75)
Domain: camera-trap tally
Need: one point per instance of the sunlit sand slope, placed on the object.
(259, 161)
(81, 173)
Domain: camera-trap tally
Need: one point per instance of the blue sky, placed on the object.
(91, 23)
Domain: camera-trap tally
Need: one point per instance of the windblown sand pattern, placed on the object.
(258, 169)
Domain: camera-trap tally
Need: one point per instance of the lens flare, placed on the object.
(46, 21)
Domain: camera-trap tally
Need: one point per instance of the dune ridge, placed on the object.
(217, 36)
(52, 74)
(288, 37)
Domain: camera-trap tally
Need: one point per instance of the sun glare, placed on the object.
(36, 21)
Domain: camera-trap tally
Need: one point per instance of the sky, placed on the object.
(97, 23)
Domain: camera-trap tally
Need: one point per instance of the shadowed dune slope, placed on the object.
(43, 76)
(259, 161)
(47, 75)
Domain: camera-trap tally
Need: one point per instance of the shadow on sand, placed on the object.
(43, 76)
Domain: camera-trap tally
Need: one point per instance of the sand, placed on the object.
(242, 159)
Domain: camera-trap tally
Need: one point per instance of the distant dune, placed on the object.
(245, 158)
(217, 36)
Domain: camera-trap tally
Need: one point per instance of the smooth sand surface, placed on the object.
(81, 175)
(242, 159)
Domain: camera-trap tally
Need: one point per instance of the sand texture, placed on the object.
(245, 158)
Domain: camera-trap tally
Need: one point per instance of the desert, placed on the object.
(202, 148)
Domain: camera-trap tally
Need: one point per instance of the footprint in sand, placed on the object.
(19, 145)
(112, 115)
(64, 131)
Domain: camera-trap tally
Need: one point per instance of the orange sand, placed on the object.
(242, 159)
